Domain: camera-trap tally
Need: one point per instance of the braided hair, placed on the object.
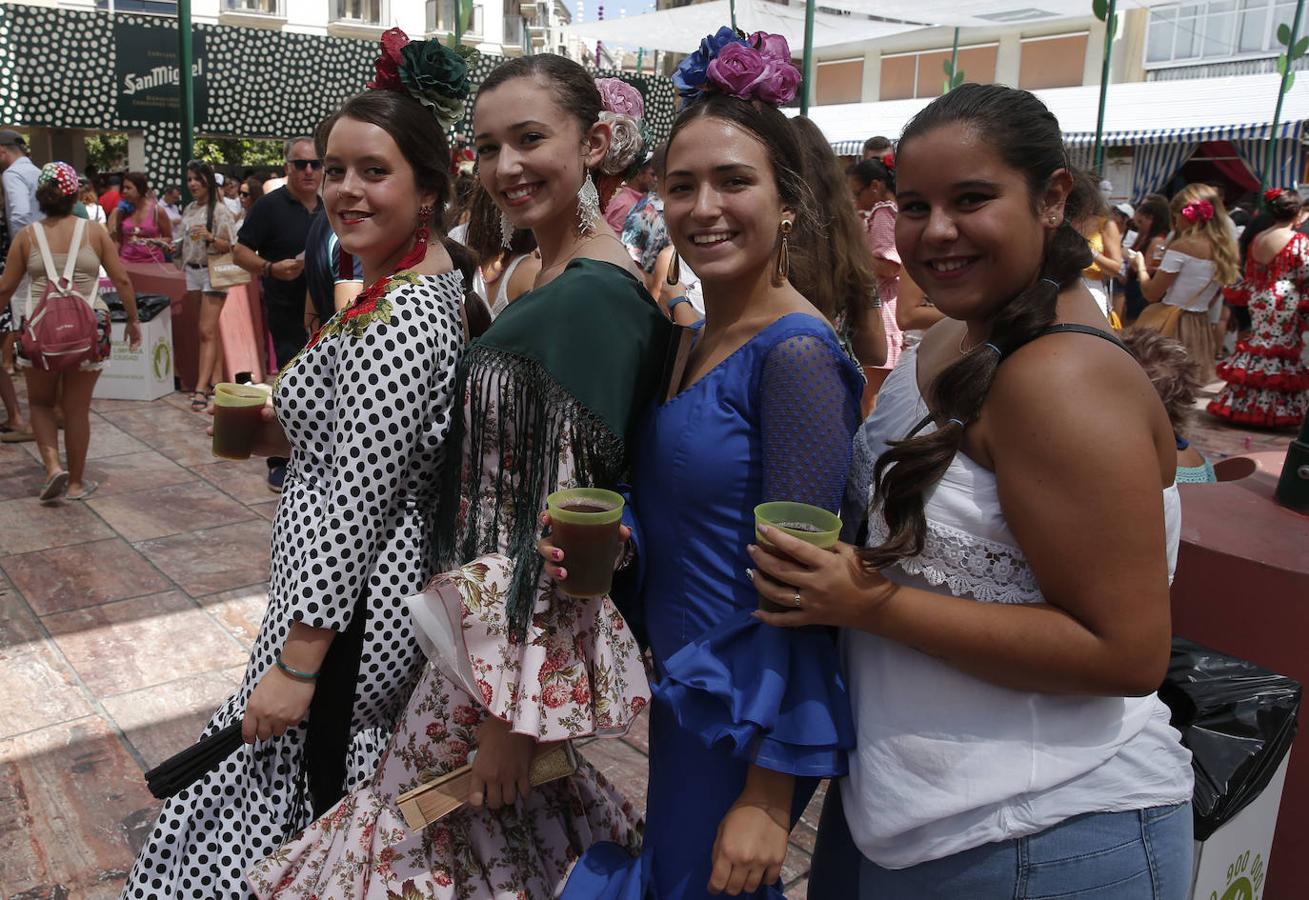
(1027, 138)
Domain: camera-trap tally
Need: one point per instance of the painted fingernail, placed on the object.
(556, 555)
(563, 573)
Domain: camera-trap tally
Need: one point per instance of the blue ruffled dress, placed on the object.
(773, 421)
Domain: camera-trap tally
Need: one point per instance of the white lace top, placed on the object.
(945, 761)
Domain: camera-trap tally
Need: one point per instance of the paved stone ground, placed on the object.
(126, 619)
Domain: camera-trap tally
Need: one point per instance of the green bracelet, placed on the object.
(295, 673)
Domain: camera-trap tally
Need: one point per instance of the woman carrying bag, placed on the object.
(207, 233)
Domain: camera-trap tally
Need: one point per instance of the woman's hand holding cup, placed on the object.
(554, 556)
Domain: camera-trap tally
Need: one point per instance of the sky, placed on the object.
(613, 8)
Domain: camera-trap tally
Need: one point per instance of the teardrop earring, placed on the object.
(506, 230)
(588, 206)
(783, 267)
(674, 275)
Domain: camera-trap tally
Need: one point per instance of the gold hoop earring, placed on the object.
(783, 267)
(674, 275)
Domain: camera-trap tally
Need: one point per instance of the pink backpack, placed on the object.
(62, 332)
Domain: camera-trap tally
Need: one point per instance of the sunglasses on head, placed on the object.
(302, 164)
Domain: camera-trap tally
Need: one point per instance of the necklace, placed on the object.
(966, 350)
(576, 250)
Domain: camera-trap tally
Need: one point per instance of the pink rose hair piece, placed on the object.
(757, 67)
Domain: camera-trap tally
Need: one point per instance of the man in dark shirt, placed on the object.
(331, 284)
(272, 245)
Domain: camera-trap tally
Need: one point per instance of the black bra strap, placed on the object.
(1053, 329)
(1084, 329)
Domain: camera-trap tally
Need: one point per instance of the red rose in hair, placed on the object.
(888, 159)
(1272, 194)
(388, 64)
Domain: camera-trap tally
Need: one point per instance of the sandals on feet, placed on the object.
(54, 486)
(88, 488)
(199, 400)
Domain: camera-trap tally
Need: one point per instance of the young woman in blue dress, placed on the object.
(746, 718)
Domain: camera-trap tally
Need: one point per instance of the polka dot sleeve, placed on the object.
(394, 390)
(809, 414)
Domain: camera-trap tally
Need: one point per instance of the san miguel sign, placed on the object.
(146, 73)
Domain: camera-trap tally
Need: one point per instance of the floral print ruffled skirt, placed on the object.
(576, 673)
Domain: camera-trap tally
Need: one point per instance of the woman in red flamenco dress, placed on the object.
(1267, 379)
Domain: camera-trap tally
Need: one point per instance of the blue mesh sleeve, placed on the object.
(809, 397)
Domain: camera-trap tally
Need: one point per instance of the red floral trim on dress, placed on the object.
(369, 307)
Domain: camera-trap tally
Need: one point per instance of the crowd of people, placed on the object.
(921, 340)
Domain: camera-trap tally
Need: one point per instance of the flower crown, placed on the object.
(757, 67)
(1272, 194)
(61, 174)
(1198, 211)
(623, 111)
(433, 74)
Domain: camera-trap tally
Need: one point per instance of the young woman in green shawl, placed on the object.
(552, 392)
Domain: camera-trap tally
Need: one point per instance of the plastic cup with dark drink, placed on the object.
(584, 524)
(811, 524)
(238, 415)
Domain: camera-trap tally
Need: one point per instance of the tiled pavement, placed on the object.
(127, 619)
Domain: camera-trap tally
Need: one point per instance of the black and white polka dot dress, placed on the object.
(367, 409)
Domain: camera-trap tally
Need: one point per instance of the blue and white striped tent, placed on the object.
(1163, 121)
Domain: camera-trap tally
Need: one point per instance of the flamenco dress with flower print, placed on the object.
(1267, 380)
(367, 410)
(551, 391)
(773, 421)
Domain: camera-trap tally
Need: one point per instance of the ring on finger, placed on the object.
(796, 600)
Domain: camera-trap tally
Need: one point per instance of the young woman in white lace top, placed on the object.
(1007, 622)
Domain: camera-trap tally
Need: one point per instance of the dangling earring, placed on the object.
(783, 267)
(421, 233)
(506, 230)
(588, 206)
(674, 275)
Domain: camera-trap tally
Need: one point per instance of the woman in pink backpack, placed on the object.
(42, 250)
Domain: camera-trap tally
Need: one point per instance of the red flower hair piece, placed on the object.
(1272, 194)
(1198, 211)
(888, 160)
(387, 65)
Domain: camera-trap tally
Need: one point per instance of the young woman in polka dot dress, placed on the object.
(551, 393)
(366, 409)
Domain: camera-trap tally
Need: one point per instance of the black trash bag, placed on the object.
(1238, 721)
(147, 305)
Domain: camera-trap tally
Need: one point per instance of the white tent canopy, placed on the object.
(680, 30)
(979, 13)
(1137, 113)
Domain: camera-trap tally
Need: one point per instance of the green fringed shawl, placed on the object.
(571, 364)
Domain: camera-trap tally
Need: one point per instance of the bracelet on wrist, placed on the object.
(295, 673)
(676, 300)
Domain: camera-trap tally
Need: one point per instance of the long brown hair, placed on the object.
(1027, 138)
(835, 273)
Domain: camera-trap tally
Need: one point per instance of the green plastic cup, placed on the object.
(238, 413)
(811, 524)
(584, 523)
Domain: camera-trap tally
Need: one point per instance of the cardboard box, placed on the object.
(1233, 863)
(146, 374)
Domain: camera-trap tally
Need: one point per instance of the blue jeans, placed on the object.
(1137, 855)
